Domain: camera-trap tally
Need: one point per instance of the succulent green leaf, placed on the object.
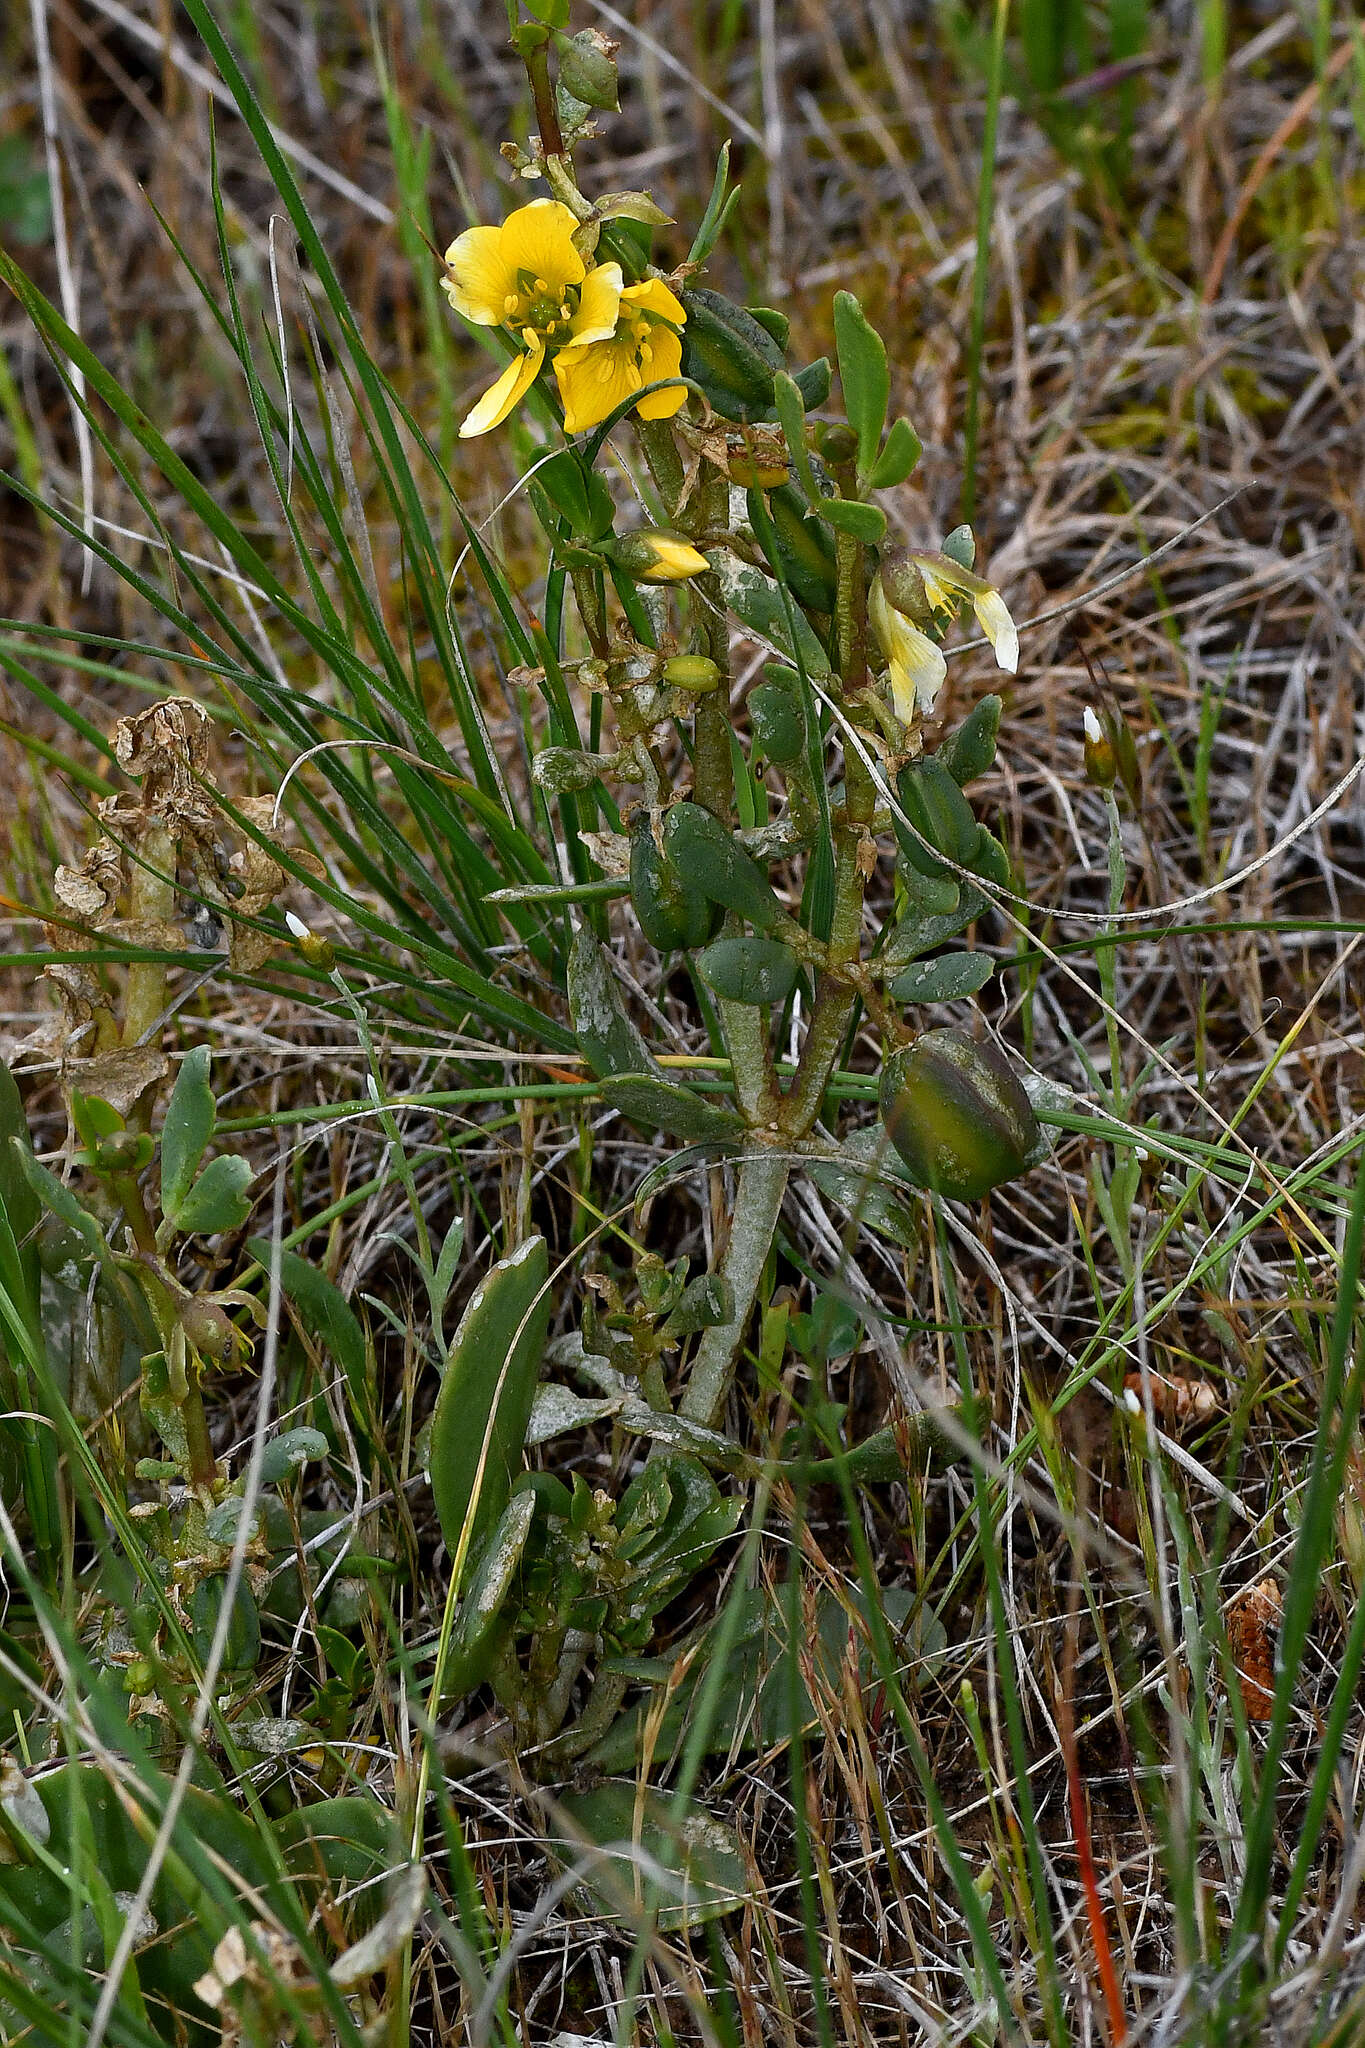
(478, 1425)
(284, 1454)
(901, 451)
(662, 1105)
(749, 970)
(482, 1619)
(706, 1303)
(777, 719)
(791, 414)
(242, 1644)
(218, 1200)
(190, 1116)
(864, 375)
(946, 979)
(814, 383)
(940, 816)
(866, 523)
(714, 862)
(700, 1857)
(607, 1038)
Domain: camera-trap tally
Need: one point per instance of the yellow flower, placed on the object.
(528, 277)
(655, 554)
(597, 372)
(916, 666)
(943, 577)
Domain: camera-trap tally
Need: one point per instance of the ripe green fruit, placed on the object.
(957, 1114)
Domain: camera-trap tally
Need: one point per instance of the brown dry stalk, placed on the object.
(1260, 170)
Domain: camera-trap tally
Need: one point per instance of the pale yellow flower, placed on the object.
(915, 665)
(944, 578)
(528, 277)
(596, 373)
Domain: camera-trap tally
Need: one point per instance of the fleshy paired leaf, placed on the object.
(865, 523)
(190, 1117)
(663, 1105)
(483, 1619)
(715, 863)
(947, 979)
(695, 1861)
(969, 749)
(901, 452)
(607, 1038)
(749, 970)
(864, 374)
(478, 1425)
(217, 1201)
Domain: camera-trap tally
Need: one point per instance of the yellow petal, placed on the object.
(537, 239)
(511, 387)
(653, 296)
(937, 587)
(479, 279)
(593, 381)
(599, 306)
(916, 664)
(992, 615)
(665, 361)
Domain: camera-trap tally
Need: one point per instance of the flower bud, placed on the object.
(836, 442)
(316, 950)
(122, 1152)
(654, 554)
(957, 1114)
(1101, 762)
(587, 69)
(694, 672)
(208, 1329)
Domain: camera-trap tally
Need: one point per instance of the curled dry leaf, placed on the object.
(1253, 1623)
(1179, 1402)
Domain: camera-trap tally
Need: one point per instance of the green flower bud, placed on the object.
(957, 1114)
(122, 1152)
(694, 672)
(587, 69)
(836, 442)
(653, 554)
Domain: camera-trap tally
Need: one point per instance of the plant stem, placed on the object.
(537, 61)
(758, 1204)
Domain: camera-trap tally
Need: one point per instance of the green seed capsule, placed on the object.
(957, 1114)
(694, 672)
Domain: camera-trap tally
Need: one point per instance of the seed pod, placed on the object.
(970, 749)
(957, 1115)
(587, 71)
(805, 557)
(673, 917)
(937, 809)
(696, 673)
(730, 355)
